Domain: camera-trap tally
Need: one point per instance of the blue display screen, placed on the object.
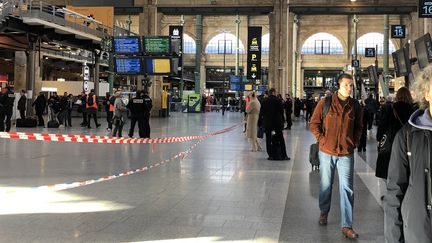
(127, 45)
(128, 65)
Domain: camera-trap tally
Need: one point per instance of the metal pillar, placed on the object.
(111, 71)
(386, 51)
(294, 56)
(356, 89)
(181, 59)
(198, 39)
(237, 22)
(31, 78)
(96, 54)
(224, 77)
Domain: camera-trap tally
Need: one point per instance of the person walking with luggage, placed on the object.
(40, 106)
(273, 122)
(92, 107)
(338, 135)
(288, 104)
(408, 201)
(22, 104)
(253, 110)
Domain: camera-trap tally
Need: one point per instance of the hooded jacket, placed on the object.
(407, 203)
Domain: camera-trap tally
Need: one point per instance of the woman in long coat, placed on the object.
(253, 110)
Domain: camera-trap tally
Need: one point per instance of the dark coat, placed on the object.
(388, 119)
(405, 204)
(273, 113)
(288, 104)
(22, 103)
(40, 104)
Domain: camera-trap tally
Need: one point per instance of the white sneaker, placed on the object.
(60, 126)
(108, 129)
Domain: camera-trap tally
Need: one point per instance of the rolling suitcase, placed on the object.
(52, 123)
(26, 122)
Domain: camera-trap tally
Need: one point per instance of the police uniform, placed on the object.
(140, 112)
(6, 110)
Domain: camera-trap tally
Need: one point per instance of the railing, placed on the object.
(73, 56)
(57, 15)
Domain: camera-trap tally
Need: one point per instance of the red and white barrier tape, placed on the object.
(102, 139)
(182, 155)
(65, 186)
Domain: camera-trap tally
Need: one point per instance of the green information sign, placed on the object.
(157, 45)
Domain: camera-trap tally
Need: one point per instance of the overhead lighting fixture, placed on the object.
(353, 1)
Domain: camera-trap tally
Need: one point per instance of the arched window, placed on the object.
(189, 45)
(265, 43)
(372, 40)
(322, 43)
(216, 44)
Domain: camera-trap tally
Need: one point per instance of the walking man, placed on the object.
(338, 135)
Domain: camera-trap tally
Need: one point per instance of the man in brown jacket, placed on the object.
(338, 135)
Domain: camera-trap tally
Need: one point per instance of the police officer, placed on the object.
(140, 107)
(6, 108)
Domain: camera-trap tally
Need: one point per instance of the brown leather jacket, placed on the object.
(341, 130)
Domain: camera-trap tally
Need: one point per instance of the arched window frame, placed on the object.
(189, 44)
(372, 39)
(322, 43)
(216, 44)
(265, 44)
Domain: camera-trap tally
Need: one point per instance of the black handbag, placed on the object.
(385, 148)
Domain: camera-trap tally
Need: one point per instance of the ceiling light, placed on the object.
(353, 1)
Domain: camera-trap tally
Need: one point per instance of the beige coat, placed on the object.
(252, 110)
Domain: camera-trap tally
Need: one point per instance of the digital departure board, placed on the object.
(127, 45)
(157, 65)
(157, 45)
(130, 65)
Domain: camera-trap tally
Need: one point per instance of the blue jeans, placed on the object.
(345, 167)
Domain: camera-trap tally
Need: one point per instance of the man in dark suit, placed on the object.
(273, 113)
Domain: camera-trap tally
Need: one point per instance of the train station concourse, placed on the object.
(185, 72)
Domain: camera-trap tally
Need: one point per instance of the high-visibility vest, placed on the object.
(94, 103)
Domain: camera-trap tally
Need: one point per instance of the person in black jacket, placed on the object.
(273, 122)
(288, 104)
(297, 107)
(22, 104)
(7, 99)
(40, 106)
(393, 118)
(408, 201)
(372, 108)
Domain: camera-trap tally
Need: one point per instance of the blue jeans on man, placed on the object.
(345, 168)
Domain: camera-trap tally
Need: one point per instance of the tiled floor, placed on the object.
(221, 192)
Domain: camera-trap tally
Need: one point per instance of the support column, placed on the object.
(237, 22)
(278, 40)
(96, 71)
(198, 40)
(111, 72)
(386, 51)
(31, 73)
(354, 56)
(294, 55)
(20, 71)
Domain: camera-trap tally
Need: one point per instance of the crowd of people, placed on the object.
(59, 110)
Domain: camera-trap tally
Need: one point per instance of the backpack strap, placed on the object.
(326, 107)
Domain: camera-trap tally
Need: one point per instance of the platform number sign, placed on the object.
(398, 31)
(425, 9)
(370, 52)
(355, 63)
